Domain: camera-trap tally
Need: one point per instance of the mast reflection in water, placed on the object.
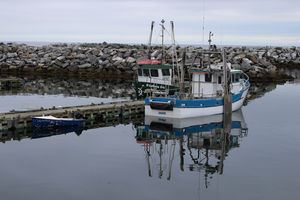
(203, 143)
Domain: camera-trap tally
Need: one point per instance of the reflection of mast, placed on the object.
(160, 161)
(181, 153)
(223, 146)
(171, 159)
(206, 165)
(227, 120)
(147, 150)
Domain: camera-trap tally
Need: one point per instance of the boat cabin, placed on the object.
(155, 73)
(209, 82)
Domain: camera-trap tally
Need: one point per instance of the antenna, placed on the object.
(209, 39)
(203, 7)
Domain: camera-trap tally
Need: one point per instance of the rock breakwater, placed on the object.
(103, 59)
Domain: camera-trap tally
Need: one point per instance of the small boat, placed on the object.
(49, 121)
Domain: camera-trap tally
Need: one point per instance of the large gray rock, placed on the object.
(61, 58)
(84, 66)
(130, 60)
(12, 55)
(246, 64)
(116, 58)
(81, 56)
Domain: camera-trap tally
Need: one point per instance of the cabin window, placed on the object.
(154, 72)
(140, 72)
(166, 72)
(146, 72)
(237, 78)
(208, 77)
(219, 79)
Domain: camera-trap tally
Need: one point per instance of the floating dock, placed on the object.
(33, 133)
(92, 112)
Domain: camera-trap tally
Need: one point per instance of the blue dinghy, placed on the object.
(49, 121)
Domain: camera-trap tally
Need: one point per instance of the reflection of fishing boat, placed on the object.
(50, 131)
(207, 139)
(48, 121)
(179, 127)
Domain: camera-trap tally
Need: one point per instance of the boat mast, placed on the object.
(174, 50)
(162, 40)
(209, 48)
(150, 40)
(182, 75)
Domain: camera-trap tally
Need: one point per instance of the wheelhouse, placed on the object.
(156, 74)
(209, 83)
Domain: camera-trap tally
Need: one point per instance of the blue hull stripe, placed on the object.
(196, 103)
(193, 129)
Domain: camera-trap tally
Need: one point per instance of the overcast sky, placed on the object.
(233, 22)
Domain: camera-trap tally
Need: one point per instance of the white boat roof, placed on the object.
(214, 68)
(201, 70)
(53, 118)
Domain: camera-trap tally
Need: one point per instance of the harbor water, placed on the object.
(259, 159)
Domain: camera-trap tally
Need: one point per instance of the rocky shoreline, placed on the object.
(119, 60)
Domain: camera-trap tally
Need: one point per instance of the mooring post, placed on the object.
(227, 107)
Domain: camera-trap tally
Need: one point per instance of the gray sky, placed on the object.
(235, 22)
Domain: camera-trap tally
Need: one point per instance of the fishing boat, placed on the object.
(213, 87)
(156, 76)
(50, 121)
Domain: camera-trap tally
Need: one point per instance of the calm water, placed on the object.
(127, 162)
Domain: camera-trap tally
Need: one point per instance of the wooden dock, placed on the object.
(98, 112)
(30, 132)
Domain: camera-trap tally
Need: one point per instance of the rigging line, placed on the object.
(171, 36)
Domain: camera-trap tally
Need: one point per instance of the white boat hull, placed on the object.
(178, 112)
